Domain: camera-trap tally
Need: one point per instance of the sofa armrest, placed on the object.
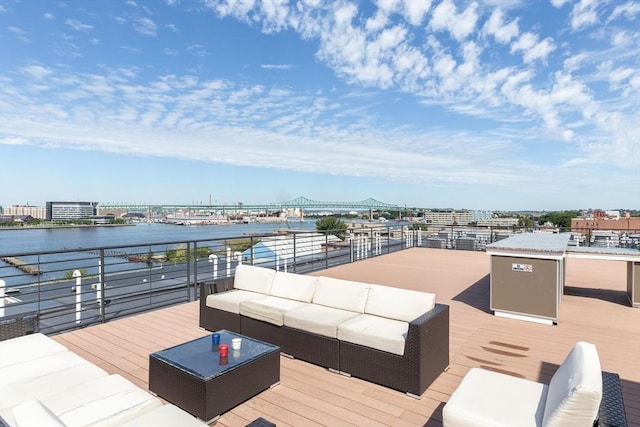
(17, 325)
(612, 412)
(428, 344)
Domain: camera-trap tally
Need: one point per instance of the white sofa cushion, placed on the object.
(165, 416)
(54, 373)
(397, 303)
(490, 399)
(269, 309)
(254, 279)
(376, 332)
(575, 390)
(341, 294)
(108, 401)
(32, 413)
(26, 348)
(230, 300)
(298, 287)
(317, 319)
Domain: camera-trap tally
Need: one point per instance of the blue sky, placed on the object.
(485, 104)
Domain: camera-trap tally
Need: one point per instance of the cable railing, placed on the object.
(74, 288)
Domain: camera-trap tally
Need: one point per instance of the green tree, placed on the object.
(524, 221)
(332, 225)
(560, 219)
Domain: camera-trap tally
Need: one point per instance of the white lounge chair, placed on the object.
(572, 398)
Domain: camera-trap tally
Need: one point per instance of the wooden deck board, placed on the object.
(594, 310)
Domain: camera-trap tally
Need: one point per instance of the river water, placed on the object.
(53, 239)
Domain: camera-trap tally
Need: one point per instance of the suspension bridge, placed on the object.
(298, 203)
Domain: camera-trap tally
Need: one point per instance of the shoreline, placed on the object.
(49, 226)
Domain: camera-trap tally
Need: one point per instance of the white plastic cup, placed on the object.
(236, 343)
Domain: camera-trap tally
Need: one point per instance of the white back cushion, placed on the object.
(575, 391)
(397, 303)
(252, 278)
(341, 294)
(294, 286)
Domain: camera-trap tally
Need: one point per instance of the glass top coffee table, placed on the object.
(195, 377)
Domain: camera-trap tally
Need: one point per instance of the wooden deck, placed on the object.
(594, 309)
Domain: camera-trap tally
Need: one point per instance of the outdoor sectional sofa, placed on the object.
(42, 383)
(395, 337)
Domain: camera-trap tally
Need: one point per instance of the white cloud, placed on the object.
(559, 3)
(584, 14)
(445, 17)
(276, 66)
(503, 33)
(629, 10)
(37, 71)
(415, 11)
(145, 26)
(533, 49)
(77, 25)
(13, 141)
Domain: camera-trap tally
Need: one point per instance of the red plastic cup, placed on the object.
(224, 350)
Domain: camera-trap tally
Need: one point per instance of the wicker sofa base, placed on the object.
(317, 349)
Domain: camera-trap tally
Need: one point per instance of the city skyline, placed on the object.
(490, 105)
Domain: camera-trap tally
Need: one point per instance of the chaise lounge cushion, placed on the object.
(375, 332)
(294, 286)
(51, 374)
(317, 319)
(165, 416)
(28, 347)
(575, 390)
(491, 399)
(32, 413)
(254, 279)
(398, 303)
(269, 309)
(108, 401)
(230, 301)
(341, 294)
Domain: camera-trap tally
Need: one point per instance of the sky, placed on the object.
(485, 104)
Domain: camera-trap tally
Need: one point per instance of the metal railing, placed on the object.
(69, 289)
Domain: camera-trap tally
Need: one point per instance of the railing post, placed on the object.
(388, 239)
(78, 290)
(214, 260)
(2, 285)
(101, 288)
(295, 252)
(188, 262)
(326, 251)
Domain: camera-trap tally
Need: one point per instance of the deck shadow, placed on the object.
(477, 295)
(609, 295)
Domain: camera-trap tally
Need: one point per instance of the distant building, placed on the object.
(479, 215)
(65, 211)
(38, 212)
(498, 222)
(448, 217)
(603, 221)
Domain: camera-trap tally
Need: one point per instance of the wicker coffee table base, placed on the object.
(208, 400)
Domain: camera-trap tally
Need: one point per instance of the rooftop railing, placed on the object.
(70, 289)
